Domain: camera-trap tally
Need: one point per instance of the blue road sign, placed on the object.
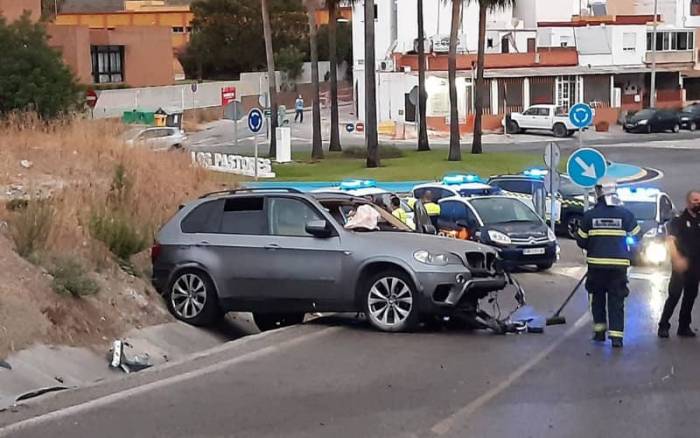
(255, 120)
(586, 166)
(581, 115)
(350, 127)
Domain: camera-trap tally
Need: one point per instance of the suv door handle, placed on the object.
(272, 246)
(203, 243)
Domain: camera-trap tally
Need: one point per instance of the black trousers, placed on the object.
(681, 284)
(608, 290)
(299, 116)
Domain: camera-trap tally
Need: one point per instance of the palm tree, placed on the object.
(455, 153)
(370, 89)
(317, 144)
(333, 58)
(422, 96)
(484, 7)
(272, 80)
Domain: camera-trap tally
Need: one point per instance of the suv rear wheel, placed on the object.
(271, 321)
(559, 130)
(390, 302)
(193, 299)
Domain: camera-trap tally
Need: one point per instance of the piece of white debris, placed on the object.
(26, 164)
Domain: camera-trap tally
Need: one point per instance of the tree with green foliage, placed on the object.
(33, 76)
(227, 36)
(290, 61)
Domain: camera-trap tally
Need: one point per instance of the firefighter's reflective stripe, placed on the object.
(582, 234)
(599, 327)
(609, 233)
(607, 261)
(432, 209)
(636, 230)
(616, 334)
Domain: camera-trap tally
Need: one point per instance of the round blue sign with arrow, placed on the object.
(349, 127)
(586, 166)
(581, 115)
(255, 120)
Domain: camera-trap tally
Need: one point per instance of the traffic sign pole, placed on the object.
(255, 123)
(255, 136)
(235, 133)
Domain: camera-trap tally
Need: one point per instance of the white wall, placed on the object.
(627, 57)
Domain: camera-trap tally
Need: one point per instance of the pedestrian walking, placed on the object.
(603, 234)
(684, 247)
(299, 109)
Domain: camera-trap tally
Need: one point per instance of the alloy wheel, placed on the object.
(390, 302)
(188, 296)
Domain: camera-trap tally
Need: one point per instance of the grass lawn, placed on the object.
(411, 166)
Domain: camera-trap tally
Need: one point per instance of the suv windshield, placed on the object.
(342, 210)
(643, 211)
(500, 210)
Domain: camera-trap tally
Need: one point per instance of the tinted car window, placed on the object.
(643, 211)
(500, 210)
(666, 207)
(244, 216)
(451, 211)
(515, 186)
(288, 217)
(205, 218)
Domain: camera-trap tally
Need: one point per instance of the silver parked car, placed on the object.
(282, 253)
(157, 139)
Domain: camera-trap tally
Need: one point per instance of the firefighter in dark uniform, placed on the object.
(684, 246)
(603, 234)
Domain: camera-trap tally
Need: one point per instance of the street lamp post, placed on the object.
(652, 98)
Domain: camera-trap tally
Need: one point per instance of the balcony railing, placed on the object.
(671, 57)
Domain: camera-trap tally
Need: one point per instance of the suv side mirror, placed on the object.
(319, 229)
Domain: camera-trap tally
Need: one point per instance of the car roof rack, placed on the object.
(251, 190)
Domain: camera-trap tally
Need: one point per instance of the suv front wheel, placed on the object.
(390, 302)
(193, 299)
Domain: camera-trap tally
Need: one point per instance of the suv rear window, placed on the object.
(244, 215)
(206, 218)
(514, 185)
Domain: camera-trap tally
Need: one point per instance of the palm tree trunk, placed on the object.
(333, 58)
(423, 144)
(371, 139)
(317, 144)
(455, 153)
(478, 105)
(272, 80)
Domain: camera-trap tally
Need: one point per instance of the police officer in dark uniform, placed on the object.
(603, 234)
(684, 246)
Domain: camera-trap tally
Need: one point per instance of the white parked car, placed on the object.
(542, 117)
(158, 138)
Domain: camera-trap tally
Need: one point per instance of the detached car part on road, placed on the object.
(282, 253)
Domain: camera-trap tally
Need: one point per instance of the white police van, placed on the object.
(653, 209)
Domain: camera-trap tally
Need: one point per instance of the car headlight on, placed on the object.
(498, 237)
(643, 122)
(655, 253)
(436, 259)
(550, 235)
(685, 119)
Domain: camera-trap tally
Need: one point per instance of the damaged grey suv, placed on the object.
(281, 253)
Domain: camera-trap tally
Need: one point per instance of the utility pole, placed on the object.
(652, 98)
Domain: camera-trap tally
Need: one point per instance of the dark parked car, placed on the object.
(653, 120)
(690, 117)
(282, 253)
(508, 224)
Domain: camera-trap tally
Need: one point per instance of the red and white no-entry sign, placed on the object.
(91, 98)
(228, 95)
(360, 127)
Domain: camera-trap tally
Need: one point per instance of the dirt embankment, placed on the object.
(81, 172)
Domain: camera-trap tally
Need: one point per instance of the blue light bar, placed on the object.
(637, 192)
(538, 173)
(461, 179)
(354, 184)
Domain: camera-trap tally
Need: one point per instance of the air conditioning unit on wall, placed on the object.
(386, 65)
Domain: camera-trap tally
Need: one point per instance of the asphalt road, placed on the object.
(337, 377)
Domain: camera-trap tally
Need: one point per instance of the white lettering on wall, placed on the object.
(233, 164)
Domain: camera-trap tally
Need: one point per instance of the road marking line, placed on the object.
(114, 397)
(448, 423)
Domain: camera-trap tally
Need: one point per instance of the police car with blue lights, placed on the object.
(367, 188)
(653, 209)
(465, 185)
(569, 200)
(507, 223)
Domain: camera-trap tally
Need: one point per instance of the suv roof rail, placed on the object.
(250, 190)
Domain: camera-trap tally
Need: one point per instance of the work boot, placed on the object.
(663, 332)
(599, 336)
(616, 342)
(686, 332)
